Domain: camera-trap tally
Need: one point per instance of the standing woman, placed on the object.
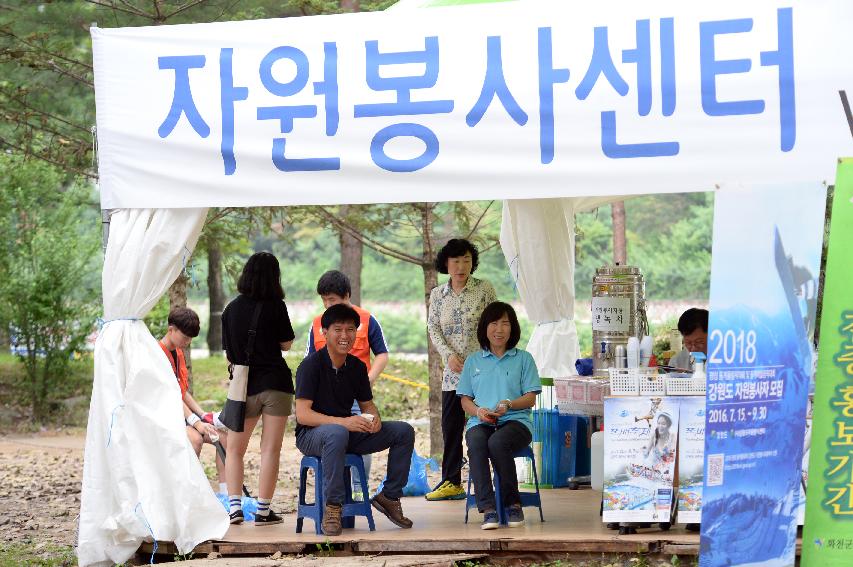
(454, 311)
(498, 387)
(269, 392)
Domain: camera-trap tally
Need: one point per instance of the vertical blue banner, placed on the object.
(764, 273)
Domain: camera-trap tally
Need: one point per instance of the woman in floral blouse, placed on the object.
(454, 311)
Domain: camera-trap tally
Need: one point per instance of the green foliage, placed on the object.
(44, 300)
(34, 554)
(669, 239)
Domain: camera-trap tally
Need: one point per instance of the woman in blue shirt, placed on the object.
(497, 388)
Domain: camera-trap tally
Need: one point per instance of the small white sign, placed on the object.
(611, 314)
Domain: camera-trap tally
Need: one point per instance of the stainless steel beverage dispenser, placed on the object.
(618, 312)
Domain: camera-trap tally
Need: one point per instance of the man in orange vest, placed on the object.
(183, 328)
(333, 288)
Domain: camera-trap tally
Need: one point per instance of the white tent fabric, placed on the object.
(538, 241)
(141, 478)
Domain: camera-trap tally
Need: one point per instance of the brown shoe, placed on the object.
(332, 520)
(392, 510)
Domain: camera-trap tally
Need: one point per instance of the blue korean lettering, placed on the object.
(287, 114)
(182, 100)
(229, 94)
(494, 85)
(601, 64)
(782, 57)
(383, 160)
(710, 67)
(641, 56)
(404, 105)
(548, 77)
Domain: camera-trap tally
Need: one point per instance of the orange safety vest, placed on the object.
(361, 347)
(181, 372)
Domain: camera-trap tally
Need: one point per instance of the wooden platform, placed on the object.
(572, 525)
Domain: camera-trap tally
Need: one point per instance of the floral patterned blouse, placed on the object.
(452, 322)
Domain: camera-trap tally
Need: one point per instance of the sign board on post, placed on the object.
(640, 443)
(828, 531)
(765, 265)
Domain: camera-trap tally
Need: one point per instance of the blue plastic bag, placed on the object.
(250, 506)
(417, 484)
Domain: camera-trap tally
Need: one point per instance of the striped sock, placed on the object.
(234, 503)
(263, 506)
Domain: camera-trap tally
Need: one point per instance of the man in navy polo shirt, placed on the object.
(327, 383)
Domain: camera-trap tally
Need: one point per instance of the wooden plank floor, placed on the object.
(572, 524)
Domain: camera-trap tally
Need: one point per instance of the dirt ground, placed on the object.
(40, 479)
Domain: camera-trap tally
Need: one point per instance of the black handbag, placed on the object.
(233, 414)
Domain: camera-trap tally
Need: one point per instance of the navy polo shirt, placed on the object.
(332, 390)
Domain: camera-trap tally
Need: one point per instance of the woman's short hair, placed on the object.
(185, 320)
(339, 313)
(492, 313)
(334, 282)
(261, 277)
(455, 248)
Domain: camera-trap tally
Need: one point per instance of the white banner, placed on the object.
(517, 100)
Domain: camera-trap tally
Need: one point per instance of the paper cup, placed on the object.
(368, 417)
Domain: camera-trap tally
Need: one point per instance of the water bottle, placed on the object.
(633, 352)
(646, 347)
(698, 366)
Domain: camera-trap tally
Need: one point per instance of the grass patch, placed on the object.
(36, 554)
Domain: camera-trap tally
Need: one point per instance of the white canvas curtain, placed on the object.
(538, 241)
(141, 478)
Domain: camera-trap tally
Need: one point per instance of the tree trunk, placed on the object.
(216, 297)
(178, 298)
(436, 443)
(620, 248)
(352, 251)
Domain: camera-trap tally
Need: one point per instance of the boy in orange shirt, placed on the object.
(183, 328)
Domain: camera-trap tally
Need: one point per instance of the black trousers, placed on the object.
(452, 428)
(487, 443)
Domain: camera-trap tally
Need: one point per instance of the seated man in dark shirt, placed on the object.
(327, 383)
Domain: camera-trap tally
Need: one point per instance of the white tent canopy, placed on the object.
(518, 101)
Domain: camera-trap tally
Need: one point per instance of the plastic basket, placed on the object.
(684, 385)
(624, 382)
(636, 382)
(652, 383)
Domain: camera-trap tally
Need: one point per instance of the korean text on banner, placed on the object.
(512, 100)
(828, 532)
(640, 441)
(760, 361)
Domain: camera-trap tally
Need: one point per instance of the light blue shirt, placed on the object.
(489, 379)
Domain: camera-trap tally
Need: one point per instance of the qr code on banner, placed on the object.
(715, 469)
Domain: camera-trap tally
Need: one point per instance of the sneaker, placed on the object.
(268, 519)
(514, 516)
(446, 491)
(490, 520)
(237, 517)
(331, 525)
(392, 509)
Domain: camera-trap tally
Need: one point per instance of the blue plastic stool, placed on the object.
(351, 508)
(527, 498)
